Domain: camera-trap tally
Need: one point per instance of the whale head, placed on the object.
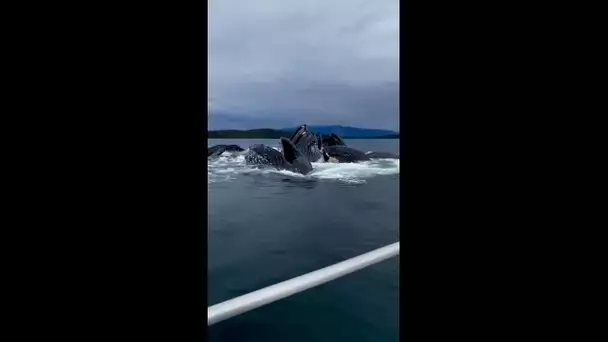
(307, 142)
(298, 131)
(332, 140)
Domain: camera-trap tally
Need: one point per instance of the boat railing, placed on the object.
(256, 299)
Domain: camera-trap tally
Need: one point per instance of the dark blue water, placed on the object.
(268, 226)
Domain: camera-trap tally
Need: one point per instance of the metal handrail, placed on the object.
(250, 301)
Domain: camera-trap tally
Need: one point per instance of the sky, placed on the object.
(282, 63)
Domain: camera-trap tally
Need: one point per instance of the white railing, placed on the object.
(250, 301)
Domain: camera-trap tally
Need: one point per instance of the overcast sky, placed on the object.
(281, 63)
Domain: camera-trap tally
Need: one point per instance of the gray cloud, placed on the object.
(332, 61)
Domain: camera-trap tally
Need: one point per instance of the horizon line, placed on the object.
(294, 127)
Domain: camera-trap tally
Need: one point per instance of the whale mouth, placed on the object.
(338, 140)
(302, 127)
(289, 150)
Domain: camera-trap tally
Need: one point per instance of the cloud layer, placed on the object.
(277, 62)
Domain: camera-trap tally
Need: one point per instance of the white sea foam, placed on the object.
(228, 166)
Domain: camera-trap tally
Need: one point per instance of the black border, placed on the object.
(121, 93)
(482, 87)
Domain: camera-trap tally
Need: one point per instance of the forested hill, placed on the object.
(347, 131)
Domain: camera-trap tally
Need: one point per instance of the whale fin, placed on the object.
(290, 151)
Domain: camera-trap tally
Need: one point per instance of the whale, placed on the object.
(331, 148)
(290, 158)
(217, 150)
(343, 154)
(308, 143)
(335, 150)
(332, 140)
(346, 154)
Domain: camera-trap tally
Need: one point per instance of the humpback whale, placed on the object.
(308, 143)
(332, 140)
(345, 154)
(299, 150)
(334, 149)
(219, 149)
(291, 158)
(331, 148)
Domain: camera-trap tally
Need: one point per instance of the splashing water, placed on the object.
(229, 165)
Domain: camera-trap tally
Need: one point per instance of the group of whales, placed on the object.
(299, 150)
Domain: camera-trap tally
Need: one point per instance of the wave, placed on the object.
(228, 166)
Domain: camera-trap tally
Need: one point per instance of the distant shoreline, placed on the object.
(267, 133)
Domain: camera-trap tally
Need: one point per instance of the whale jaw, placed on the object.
(298, 161)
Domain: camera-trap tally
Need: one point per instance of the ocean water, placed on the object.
(267, 226)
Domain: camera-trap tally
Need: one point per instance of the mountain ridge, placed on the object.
(345, 131)
(269, 133)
